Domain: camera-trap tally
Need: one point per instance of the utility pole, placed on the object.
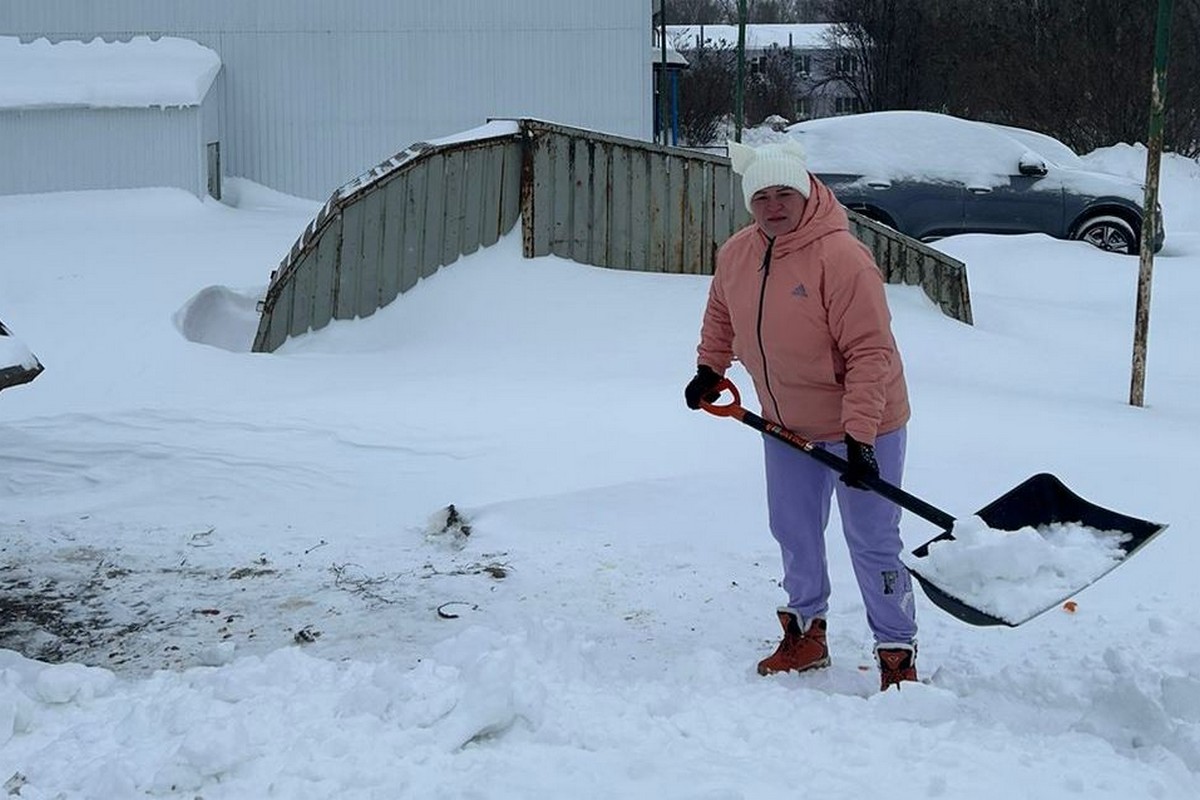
(1158, 91)
(739, 108)
(662, 72)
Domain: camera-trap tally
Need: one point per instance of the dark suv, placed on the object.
(931, 175)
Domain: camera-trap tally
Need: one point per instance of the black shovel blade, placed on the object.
(1041, 500)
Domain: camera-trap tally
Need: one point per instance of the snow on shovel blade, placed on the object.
(1088, 540)
(1040, 502)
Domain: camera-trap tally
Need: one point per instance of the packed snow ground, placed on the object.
(231, 565)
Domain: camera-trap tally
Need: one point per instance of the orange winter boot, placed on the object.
(802, 648)
(897, 663)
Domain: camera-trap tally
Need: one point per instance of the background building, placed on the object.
(312, 92)
(101, 115)
(795, 69)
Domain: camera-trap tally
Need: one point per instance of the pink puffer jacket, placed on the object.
(812, 327)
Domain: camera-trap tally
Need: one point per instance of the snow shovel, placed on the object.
(1039, 501)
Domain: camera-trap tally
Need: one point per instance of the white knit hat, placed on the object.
(775, 164)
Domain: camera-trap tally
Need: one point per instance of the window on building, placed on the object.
(846, 105)
(845, 65)
(803, 108)
(756, 65)
(803, 64)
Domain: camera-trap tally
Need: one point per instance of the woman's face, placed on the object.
(777, 209)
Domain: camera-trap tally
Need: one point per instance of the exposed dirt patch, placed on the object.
(42, 623)
(112, 609)
(114, 616)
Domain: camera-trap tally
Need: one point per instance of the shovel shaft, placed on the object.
(835, 462)
(839, 465)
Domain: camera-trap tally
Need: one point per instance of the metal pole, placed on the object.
(662, 74)
(1158, 90)
(739, 109)
(674, 108)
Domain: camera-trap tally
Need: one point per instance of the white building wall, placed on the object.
(49, 150)
(316, 91)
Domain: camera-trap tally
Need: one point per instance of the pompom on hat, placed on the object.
(776, 164)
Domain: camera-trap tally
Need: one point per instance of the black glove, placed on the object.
(701, 387)
(861, 458)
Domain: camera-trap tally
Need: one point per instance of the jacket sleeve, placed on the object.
(716, 332)
(860, 323)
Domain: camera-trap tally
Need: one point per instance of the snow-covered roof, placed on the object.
(136, 74)
(673, 56)
(810, 36)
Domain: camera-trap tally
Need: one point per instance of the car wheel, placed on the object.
(1109, 232)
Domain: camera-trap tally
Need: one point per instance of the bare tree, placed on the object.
(1183, 92)
(880, 50)
(700, 12)
(714, 12)
(782, 11)
(774, 86)
(1079, 71)
(706, 90)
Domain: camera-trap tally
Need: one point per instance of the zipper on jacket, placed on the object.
(765, 269)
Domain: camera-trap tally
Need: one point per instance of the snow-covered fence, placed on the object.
(389, 227)
(615, 202)
(905, 260)
(590, 197)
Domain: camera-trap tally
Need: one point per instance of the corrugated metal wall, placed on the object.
(589, 197)
(904, 260)
(376, 237)
(614, 202)
(317, 89)
(618, 203)
(47, 150)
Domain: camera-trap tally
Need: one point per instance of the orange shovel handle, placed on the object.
(731, 409)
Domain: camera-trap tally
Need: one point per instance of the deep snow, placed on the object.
(241, 558)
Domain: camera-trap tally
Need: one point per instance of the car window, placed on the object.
(1048, 147)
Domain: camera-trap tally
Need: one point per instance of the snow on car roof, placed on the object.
(891, 145)
(898, 145)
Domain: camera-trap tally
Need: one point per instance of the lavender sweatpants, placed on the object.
(799, 489)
